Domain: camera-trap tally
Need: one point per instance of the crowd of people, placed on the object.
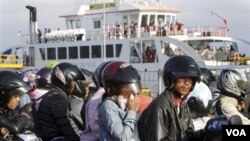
(67, 103)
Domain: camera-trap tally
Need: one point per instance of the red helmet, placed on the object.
(97, 76)
(121, 73)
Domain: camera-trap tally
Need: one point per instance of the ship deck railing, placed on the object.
(114, 32)
(10, 61)
(118, 33)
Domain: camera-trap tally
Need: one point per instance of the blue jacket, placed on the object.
(115, 124)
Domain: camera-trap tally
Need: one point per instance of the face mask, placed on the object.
(122, 102)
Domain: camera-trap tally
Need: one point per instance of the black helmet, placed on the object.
(178, 67)
(43, 78)
(233, 82)
(197, 108)
(11, 84)
(207, 76)
(87, 75)
(97, 76)
(63, 74)
(120, 73)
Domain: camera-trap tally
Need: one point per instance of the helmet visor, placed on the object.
(134, 87)
(242, 85)
(181, 75)
(20, 91)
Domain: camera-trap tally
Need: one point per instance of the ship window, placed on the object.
(71, 24)
(135, 52)
(78, 23)
(42, 52)
(144, 20)
(84, 52)
(152, 20)
(96, 51)
(62, 53)
(149, 54)
(118, 48)
(161, 20)
(168, 20)
(51, 53)
(31, 57)
(109, 51)
(171, 49)
(97, 24)
(173, 19)
(73, 53)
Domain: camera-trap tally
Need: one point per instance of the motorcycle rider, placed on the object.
(117, 112)
(13, 122)
(232, 84)
(168, 116)
(42, 85)
(90, 108)
(54, 113)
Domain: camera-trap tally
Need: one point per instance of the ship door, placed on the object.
(143, 52)
(149, 53)
(29, 56)
(19, 55)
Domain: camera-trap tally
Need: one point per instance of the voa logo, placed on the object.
(236, 132)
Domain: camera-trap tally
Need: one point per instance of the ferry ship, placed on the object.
(143, 33)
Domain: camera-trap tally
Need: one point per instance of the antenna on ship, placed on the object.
(104, 32)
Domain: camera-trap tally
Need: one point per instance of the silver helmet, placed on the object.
(233, 82)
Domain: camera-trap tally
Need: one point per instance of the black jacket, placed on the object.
(161, 121)
(14, 121)
(55, 119)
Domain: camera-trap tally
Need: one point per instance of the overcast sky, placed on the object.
(14, 16)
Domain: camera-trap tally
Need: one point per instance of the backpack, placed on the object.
(91, 133)
(35, 106)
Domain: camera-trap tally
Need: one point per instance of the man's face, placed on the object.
(13, 102)
(183, 85)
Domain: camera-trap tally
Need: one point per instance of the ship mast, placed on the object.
(104, 32)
